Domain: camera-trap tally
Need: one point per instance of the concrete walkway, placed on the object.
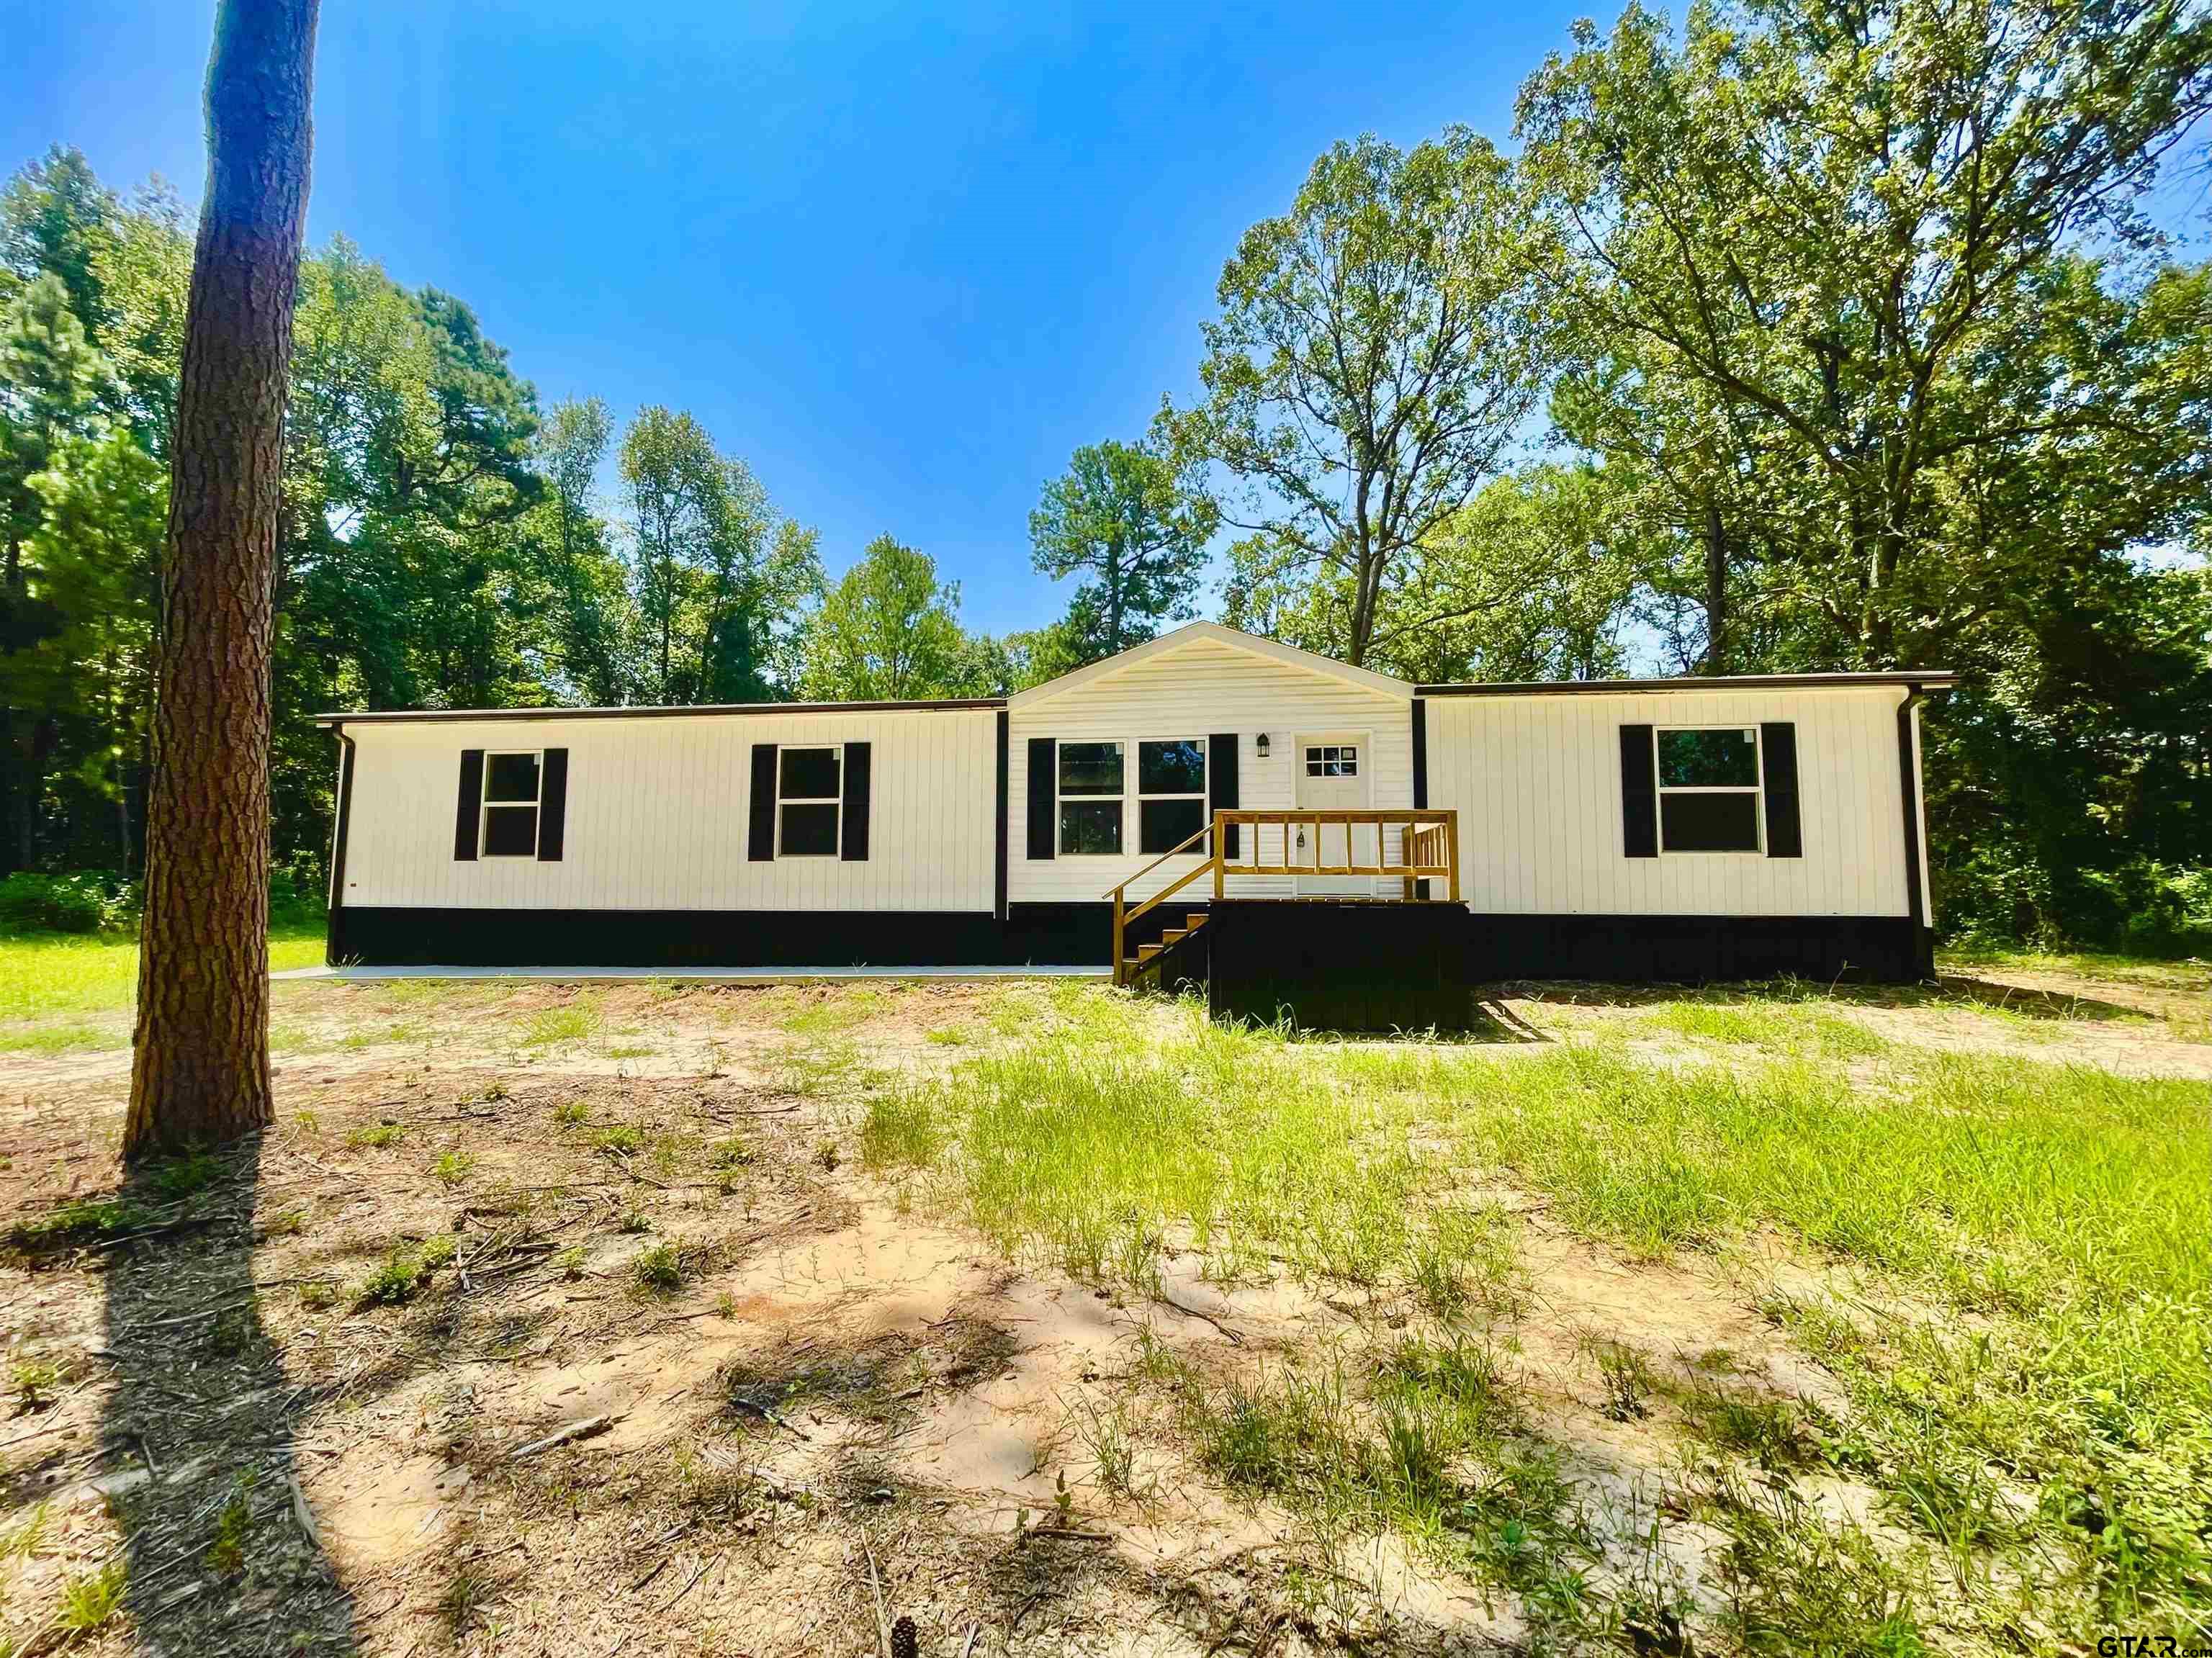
(722, 975)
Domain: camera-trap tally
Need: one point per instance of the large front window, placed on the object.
(1709, 789)
(1170, 793)
(1092, 787)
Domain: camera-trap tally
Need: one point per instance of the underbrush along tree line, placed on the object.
(1784, 337)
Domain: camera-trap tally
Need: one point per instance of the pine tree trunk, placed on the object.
(1717, 643)
(201, 1070)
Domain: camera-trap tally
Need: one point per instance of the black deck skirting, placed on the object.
(1280, 944)
(1340, 966)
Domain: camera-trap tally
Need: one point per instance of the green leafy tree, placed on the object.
(1376, 350)
(1136, 522)
(675, 481)
(57, 219)
(722, 585)
(1817, 214)
(889, 629)
(97, 554)
(594, 615)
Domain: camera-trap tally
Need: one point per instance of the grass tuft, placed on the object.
(405, 1270)
(89, 1602)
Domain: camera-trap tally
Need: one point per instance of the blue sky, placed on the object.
(902, 263)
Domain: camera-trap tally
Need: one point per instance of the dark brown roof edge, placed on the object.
(658, 711)
(1930, 678)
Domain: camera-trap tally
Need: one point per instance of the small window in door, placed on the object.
(1332, 759)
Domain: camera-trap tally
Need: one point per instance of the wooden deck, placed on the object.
(1427, 850)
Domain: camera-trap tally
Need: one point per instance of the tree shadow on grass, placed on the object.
(218, 1546)
(1950, 990)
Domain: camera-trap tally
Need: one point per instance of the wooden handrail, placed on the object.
(1200, 834)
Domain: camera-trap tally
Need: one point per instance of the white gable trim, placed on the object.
(1195, 633)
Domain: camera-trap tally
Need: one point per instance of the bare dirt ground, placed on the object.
(565, 1322)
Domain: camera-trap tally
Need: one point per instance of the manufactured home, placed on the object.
(1209, 806)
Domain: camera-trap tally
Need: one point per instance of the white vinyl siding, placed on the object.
(1536, 782)
(657, 815)
(1195, 690)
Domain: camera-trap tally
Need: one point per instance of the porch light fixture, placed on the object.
(1259, 744)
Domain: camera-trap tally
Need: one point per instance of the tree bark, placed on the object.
(1717, 642)
(201, 1069)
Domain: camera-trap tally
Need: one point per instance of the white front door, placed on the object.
(1331, 773)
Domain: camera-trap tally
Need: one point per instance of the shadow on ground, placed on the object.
(200, 1425)
(1950, 989)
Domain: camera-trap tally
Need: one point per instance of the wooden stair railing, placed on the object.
(1428, 850)
(1123, 915)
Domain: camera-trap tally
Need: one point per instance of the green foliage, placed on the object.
(888, 629)
(1377, 349)
(88, 901)
(88, 1602)
(1135, 521)
(405, 1271)
(77, 1221)
(226, 1555)
(1867, 323)
(659, 1269)
(2044, 1233)
(900, 1131)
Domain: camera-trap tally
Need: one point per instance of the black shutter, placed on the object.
(1044, 794)
(761, 810)
(467, 813)
(1639, 796)
(855, 849)
(1221, 783)
(552, 805)
(1777, 743)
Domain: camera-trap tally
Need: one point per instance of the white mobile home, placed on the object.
(1687, 828)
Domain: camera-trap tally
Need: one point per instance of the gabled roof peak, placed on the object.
(1216, 633)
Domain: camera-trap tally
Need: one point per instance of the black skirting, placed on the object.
(1269, 944)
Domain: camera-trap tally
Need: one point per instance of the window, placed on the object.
(1170, 793)
(1091, 790)
(1709, 789)
(806, 802)
(1332, 759)
(512, 786)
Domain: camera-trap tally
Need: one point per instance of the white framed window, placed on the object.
(809, 798)
(1332, 760)
(1710, 780)
(1091, 789)
(1170, 791)
(513, 789)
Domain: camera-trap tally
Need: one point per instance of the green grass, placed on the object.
(45, 975)
(1426, 1442)
(405, 1271)
(1777, 1028)
(65, 1039)
(2151, 971)
(88, 1602)
(2052, 1225)
(571, 1022)
(835, 1012)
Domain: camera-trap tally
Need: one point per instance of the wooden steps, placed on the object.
(1148, 954)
